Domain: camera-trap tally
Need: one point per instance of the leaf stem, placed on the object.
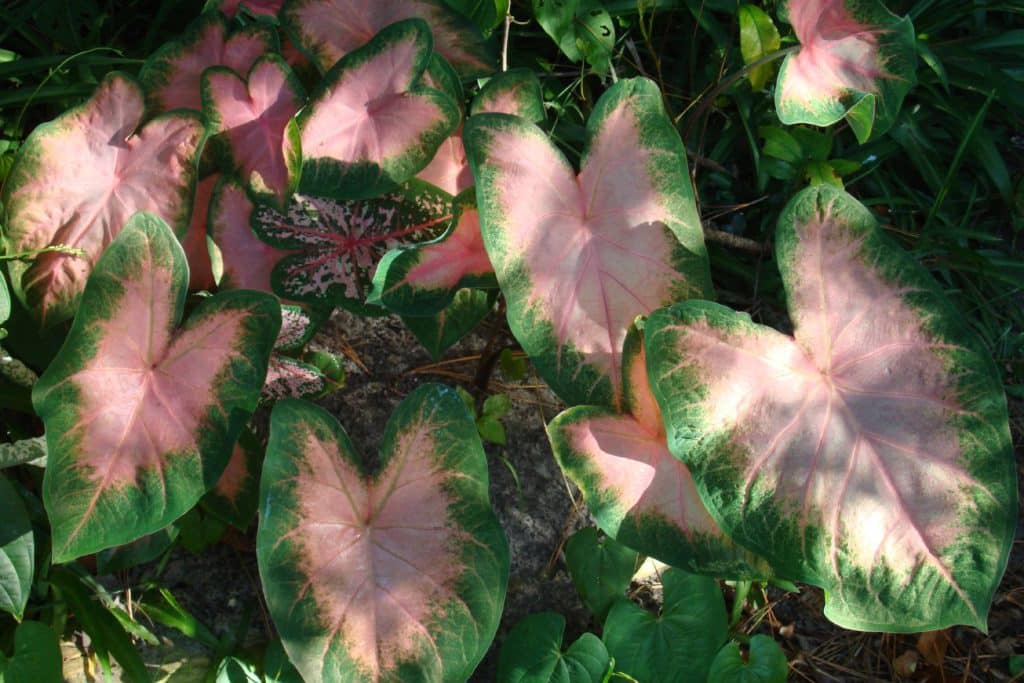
(32, 253)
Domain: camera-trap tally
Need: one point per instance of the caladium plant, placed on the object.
(391, 573)
(869, 453)
(141, 415)
(578, 257)
(640, 494)
(330, 29)
(856, 59)
(287, 376)
(372, 124)
(77, 180)
(338, 243)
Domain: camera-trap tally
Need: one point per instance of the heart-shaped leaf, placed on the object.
(422, 279)
(856, 59)
(516, 92)
(442, 330)
(252, 116)
(372, 125)
(243, 260)
(140, 415)
(869, 453)
(331, 29)
(638, 492)
(396, 573)
(338, 243)
(78, 179)
(532, 653)
(765, 663)
(172, 74)
(583, 29)
(600, 567)
(17, 551)
(677, 645)
(579, 257)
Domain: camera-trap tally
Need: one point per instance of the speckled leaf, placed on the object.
(870, 453)
(251, 117)
(637, 491)
(578, 257)
(392, 574)
(441, 331)
(17, 551)
(173, 73)
(298, 325)
(372, 125)
(422, 279)
(331, 29)
(236, 494)
(853, 54)
(532, 653)
(289, 377)
(140, 415)
(243, 260)
(196, 243)
(78, 179)
(338, 243)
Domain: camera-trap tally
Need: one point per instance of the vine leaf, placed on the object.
(372, 125)
(330, 29)
(141, 415)
(639, 493)
(396, 573)
(337, 244)
(79, 178)
(869, 453)
(578, 257)
(856, 59)
(533, 653)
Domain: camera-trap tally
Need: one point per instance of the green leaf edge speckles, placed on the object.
(480, 586)
(122, 515)
(864, 599)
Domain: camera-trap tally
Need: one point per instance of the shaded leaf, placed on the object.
(236, 494)
(581, 28)
(532, 653)
(765, 663)
(601, 569)
(441, 331)
(37, 657)
(17, 551)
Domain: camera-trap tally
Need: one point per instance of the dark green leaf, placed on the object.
(766, 663)
(532, 653)
(601, 568)
(37, 657)
(17, 551)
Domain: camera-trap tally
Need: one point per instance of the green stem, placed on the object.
(32, 253)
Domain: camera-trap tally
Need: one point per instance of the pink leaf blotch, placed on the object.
(172, 74)
(869, 453)
(195, 244)
(338, 243)
(578, 257)
(640, 494)
(365, 572)
(78, 179)
(372, 125)
(252, 116)
(331, 29)
(140, 415)
(257, 8)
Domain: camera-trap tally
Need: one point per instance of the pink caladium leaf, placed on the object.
(422, 279)
(195, 242)
(257, 8)
(172, 74)
(338, 243)
(578, 257)
(869, 453)
(243, 261)
(856, 59)
(385, 574)
(78, 179)
(252, 118)
(330, 29)
(640, 494)
(140, 414)
(372, 125)
(235, 496)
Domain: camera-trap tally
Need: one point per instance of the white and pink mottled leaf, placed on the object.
(638, 492)
(856, 59)
(372, 125)
(330, 29)
(141, 414)
(579, 257)
(289, 377)
(337, 244)
(195, 242)
(396, 573)
(243, 261)
(172, 74)
(251, 118)
(298, 325)
(869, 453)
(235, 496)
(439, 332)
(78, 179)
